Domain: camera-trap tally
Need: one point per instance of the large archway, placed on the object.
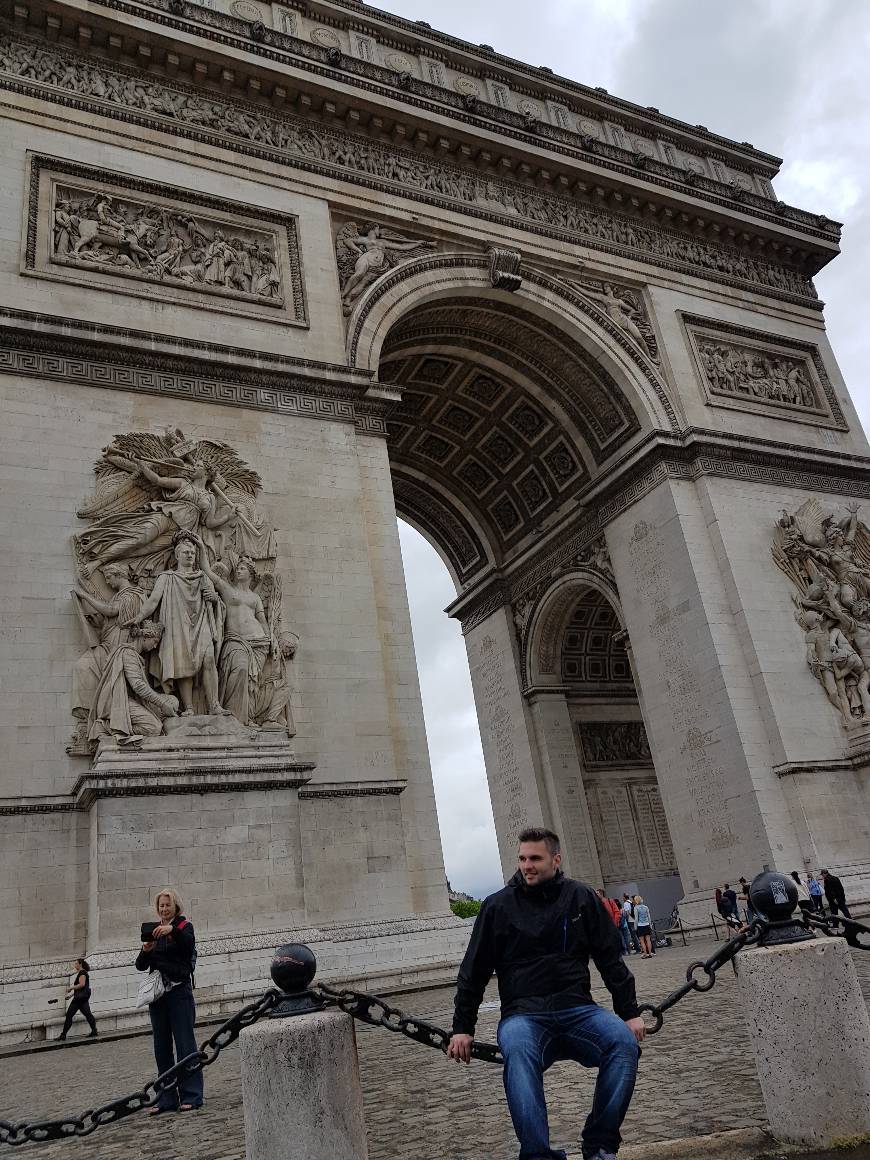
(512, 404)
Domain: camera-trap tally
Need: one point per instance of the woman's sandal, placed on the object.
(155, 1111)
(189, 1107)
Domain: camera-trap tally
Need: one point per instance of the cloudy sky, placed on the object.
(788, 75)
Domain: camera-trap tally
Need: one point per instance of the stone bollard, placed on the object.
(809, 1026)
(300, 1077)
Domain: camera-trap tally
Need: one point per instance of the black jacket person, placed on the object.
(539, 940)
(538, 935)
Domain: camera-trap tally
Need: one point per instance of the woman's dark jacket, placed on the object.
(538, 940)
(172, 953)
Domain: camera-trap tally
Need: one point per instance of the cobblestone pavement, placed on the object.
(697, 1076)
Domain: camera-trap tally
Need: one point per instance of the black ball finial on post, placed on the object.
(293, 969)
(774, 896)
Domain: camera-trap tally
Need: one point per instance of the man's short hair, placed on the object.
(536, 834)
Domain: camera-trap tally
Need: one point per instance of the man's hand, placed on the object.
(637, 1027)
(459, 1048)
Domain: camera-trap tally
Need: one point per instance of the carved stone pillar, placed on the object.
(507, 731)
(563, 778)
(725, 807)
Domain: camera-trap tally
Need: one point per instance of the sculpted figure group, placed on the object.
(828, 561)
(177, 594)
(734, 370)
(153, 242)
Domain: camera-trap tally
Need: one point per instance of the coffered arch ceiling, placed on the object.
(504, 419)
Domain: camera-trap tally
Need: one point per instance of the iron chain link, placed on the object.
(376, 1012)
(208, 1051)
(724, 954)
(373, 1010)
(831, 926)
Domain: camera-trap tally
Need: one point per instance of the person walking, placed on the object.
(643, 921)
(804, 901)
(835, 894)
(816, 893)
(172, 951)
(537, 934)
(80, 994)
(729, 902)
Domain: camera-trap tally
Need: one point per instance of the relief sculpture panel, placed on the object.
(750, 371)
(177, 595)
(827, 560)
(105, 230)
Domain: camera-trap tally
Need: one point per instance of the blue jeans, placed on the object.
(624, 935)
(172, 1018)
(590, 1036)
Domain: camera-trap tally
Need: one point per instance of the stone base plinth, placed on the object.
(811, 1037)
(190, 743)
(301, 1089)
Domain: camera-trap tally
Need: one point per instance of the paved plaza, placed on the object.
(697, 1076)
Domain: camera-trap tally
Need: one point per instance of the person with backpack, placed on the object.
(80, 994)
(171, 950)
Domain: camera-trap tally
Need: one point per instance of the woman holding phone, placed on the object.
(171, 949)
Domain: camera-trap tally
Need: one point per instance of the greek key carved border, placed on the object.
(39, 360)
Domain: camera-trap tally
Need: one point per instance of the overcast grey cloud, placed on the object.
(789, 76)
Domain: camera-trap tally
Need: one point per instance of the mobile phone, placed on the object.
(148, 929)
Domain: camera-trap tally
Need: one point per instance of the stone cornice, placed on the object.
(597, 98)
(661, 456)
(229, 31)
(120, 359)
(540, 83)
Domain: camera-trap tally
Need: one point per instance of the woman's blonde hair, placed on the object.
(637, 900)
(173, 896)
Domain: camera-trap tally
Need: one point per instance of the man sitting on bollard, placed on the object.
(538, 935)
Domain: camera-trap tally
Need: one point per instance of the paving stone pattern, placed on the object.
(697, 1076)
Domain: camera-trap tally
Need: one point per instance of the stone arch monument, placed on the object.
(273, 274)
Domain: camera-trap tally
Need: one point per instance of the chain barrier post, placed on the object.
(808, 1023)
(300, 1076)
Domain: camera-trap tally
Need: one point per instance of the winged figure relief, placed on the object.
(363, 257)
(174, 533)
(828, 561)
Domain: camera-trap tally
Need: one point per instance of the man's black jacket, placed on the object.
(834, 890)
(538, 940)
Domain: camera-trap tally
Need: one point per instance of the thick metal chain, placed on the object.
(377, 1012)
(830, 925)
(725, 954)
(93, 1118)
(373, 1010)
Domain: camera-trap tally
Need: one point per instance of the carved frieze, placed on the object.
(827, 560)
(115, 232)
(749, 370)
(179, 601)
(51, 72)
(622, 743)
